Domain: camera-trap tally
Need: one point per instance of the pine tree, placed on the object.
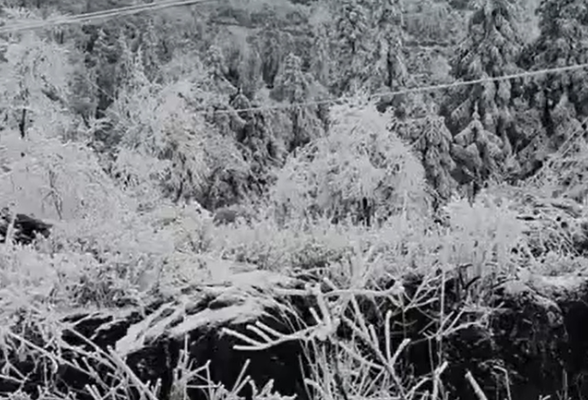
(479, 153)
(35, 81)
(215, 61)
(321, 62)
(273, 45)
(149, 45)
(433, 22)
(563, 40)
(490, 49)
(218, 70)
(294, 86)
(557, 99)
(431, 139)
(250, 78)
(353, 45)
(103, 60)
(126, 63)
(389, 67)
(291, 84)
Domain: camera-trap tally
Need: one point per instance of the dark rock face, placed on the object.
(520, 352)
(532, 343)
(150, 341)
(571, 295)
(519, 349)
(25, 227)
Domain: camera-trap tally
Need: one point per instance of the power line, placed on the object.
(99, 15)
(394, 93)
(412, 90)
(121, 11)
(129, 10)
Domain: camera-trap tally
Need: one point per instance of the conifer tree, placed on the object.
(273, 45)
(215, 61)
(292, 85)
(479, 153)
(105, 53)
(353, 43)
(389, 69)
(250, 77)
(217, 70)
(490, 49)
(432, 22)
(321, 62)
(560, 99)
(35, 80)
(149, 45)
(432, 141)
(126, 63)
(563, 40)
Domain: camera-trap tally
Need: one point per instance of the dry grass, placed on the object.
(119, 243)
(353, 260)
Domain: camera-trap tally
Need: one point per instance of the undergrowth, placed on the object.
(351, 209)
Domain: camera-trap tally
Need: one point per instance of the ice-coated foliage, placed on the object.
(359, 161)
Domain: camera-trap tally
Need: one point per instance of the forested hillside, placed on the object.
(218, 57)
(352, 140)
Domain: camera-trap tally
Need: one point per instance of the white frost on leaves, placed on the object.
(251, 309)
(246, 297)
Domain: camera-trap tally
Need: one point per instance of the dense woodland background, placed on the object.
(170, 148)
(130, 134)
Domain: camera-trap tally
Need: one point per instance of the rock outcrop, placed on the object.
(24, 227)
(529, 340)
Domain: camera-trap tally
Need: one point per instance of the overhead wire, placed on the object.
(99, 15)
(413, 90)
(129, 10)
(120, 11)
(135, 9)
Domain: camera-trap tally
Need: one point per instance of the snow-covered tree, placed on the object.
(563, 41)
(490, 49)
(386, 23)
(150, 49)
(35, 82)
(353, 44)
(272, 45)
(102, 60)
(217, 69)
(291, 83)
(360, 170)
(479, 153)
(294, 86)
(432, 141)
(433, 22)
